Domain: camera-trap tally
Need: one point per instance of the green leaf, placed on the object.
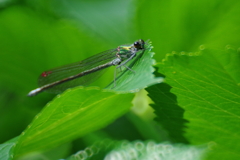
(70, 115)
(129, 81)
(6, 149)
(108, 149)
(206, 84)
(169, 114)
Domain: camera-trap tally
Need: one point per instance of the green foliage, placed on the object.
(197, 105)
(6, 149)
(138, 150)
(206, 84)
(169, 113)
(70, 115)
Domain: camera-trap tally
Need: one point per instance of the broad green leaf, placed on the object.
(142, 75)
(169, 114)
(206, 84)
(72, 114)
(108, 149)
(6, 149)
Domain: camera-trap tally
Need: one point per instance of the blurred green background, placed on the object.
(36, 35)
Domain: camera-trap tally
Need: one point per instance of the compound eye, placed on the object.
(139, 44)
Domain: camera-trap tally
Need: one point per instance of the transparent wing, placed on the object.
(66, 71)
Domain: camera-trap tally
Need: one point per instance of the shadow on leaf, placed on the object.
(169, 114)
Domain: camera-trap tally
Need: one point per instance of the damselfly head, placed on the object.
(139, 44)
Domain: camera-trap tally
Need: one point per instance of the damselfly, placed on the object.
(88, 70)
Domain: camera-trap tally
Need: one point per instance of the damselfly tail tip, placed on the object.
(34, 92)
